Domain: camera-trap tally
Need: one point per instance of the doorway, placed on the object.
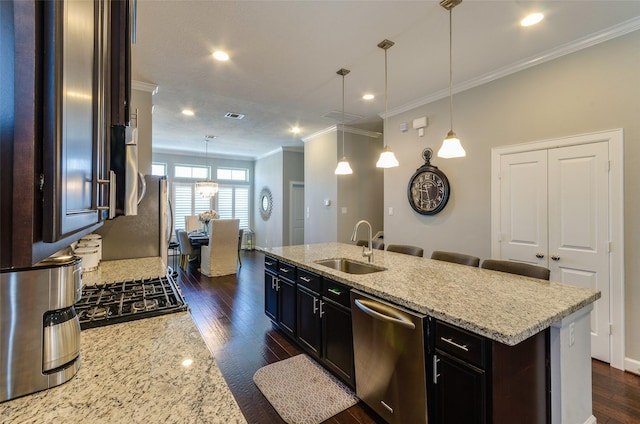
(296, 213)
(558, 203)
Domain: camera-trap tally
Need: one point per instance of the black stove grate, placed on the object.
(111, 303)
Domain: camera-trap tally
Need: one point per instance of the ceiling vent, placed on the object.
(233, 115)
(336, 115)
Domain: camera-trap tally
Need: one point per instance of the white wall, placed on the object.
(142, 101)
(268, 173)
(591, 90)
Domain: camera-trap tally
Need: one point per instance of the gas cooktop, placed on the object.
(111, 303)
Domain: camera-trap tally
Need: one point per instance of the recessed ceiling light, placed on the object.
(220, 55)
(532, 19)
(296, 130)
(368, 97)
(187, 112)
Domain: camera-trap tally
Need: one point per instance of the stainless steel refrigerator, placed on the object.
(145, 234)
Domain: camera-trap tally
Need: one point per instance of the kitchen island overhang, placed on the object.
(502, 307)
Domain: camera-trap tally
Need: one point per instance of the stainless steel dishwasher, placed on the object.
(389, 349)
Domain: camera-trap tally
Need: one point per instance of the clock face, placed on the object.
(428, 190)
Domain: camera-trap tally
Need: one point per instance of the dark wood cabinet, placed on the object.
(460, 391)
(280, 294)
(477, 380)
(315, 312)
(309, 323)
(337, 337)
(271, 296)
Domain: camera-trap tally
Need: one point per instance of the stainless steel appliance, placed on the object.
(39, 328)
(389, 348)
(111, 303)
(143, 235)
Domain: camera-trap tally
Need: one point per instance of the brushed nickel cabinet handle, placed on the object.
(451, 342)
(539, 255)
(555, 257)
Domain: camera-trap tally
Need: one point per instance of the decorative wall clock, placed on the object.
(428, 189)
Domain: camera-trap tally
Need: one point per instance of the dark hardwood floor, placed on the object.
(229, 311)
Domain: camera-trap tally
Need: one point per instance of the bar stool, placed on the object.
(519, 268)
(406, 249)
(456, 258)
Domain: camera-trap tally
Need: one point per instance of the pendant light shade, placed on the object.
(343, 167)
(387, 158)
(207, 188)
(451, 146)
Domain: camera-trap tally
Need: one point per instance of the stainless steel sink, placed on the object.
(350, 266)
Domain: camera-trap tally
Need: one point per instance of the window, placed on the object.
(187, 202)
(191, 171)
(233, 202)
(232, 174)
(158, 168)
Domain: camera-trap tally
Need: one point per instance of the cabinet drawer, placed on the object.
(460, 343)
(310, 280)
(271, 264)
(287, 271)
(337, 292)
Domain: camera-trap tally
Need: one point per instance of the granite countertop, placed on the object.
(125, 269)
(503, 307)
(152, 370)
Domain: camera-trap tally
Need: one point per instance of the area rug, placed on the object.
(302, 391)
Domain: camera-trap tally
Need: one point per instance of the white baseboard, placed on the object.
(632, 365)
(591, 420)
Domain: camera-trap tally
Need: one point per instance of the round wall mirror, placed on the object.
(266, 203)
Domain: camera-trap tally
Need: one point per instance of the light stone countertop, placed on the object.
(503, 307)
(125, 269)
(134, 372)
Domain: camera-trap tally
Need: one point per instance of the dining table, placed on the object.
(198, 238)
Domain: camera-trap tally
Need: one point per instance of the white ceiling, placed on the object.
(285, 54)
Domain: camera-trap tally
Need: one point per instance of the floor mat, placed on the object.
(302, 391)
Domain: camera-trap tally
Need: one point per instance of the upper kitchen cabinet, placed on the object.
(57, 83)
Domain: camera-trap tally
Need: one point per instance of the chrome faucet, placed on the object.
(366, 253)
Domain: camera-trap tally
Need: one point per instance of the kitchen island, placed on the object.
(150, 370)
(503, 308)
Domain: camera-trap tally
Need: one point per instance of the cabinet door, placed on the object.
(71, 124)
(308, 327)
(460, 394)
(337, 337)
(287, 306)
(271, 296)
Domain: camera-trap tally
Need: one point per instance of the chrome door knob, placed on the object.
(539, 255)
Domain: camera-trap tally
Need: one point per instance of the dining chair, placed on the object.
(455, 257)
(192, 223)
(241, 232)
(406, 249)
(188, 253)
(519, 268)
(220, 257)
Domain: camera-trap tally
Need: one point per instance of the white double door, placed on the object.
(554, 212)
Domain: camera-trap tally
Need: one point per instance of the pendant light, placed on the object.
(451, 147)
(207, 188)
(387, 158)
(343, 167)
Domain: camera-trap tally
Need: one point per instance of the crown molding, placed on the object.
(145, 86)
(334, 128)
(581, 43)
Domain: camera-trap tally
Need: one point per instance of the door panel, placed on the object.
(579, 228)
(523, 195)
(297, 214)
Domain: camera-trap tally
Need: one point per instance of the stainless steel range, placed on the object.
(110, 303)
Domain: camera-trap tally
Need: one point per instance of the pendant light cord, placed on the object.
(386, 95)
(450, 69)
(343, 116)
